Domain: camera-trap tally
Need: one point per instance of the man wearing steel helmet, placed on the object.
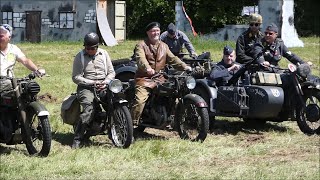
(91, 66)
(152, 55)
(9, 54)
(247, 40)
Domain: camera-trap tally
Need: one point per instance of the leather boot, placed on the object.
(78, 135)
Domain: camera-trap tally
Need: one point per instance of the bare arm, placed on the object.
(27, 63)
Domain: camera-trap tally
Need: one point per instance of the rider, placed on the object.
(152, 55)
(91, 67)
(246, 41)
(176, 39)
(226, 68)
(9, 54)
(273, 49)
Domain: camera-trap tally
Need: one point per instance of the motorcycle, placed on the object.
(23, 118)
(257, 97)
(115, 120)
(172, 103)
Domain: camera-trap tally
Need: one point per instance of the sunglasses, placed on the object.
(269, 33)
(254, 24)
(91, 48)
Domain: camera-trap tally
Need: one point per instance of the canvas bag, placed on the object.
(70, 110)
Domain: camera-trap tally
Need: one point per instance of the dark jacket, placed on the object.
(245, 46)
(220, 74)
(274, 52)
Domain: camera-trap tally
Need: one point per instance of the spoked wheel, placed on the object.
(121, 130)
(192, 122)
(308, 116)
(37, 136)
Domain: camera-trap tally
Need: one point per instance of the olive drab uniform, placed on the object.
(245, 46)
(155, 57)
(274, 52)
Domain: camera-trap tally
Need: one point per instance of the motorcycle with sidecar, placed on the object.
(171, 104)
(257, 96)
(23, 118)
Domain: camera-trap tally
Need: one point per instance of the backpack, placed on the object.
(70, 109)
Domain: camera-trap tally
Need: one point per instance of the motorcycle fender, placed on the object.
(120, 101)
(39, 108)
(212, 92)
(198, 100)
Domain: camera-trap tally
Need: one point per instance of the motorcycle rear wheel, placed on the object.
(192, 122)
(308, 116)
(121, 127)
(37, 136)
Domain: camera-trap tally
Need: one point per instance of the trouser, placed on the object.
(141, 96)
(86, 98)
(5, 85)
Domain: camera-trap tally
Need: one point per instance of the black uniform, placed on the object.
(245, 46)
(274, 52)
(220, 74)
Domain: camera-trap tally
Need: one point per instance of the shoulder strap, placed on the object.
(82, 60)
(104, 61)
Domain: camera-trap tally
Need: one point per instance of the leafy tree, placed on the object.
(142, 12)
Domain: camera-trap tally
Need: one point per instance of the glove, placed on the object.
(194, 55)
(39, 72)
(188, 69)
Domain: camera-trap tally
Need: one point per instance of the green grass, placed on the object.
(231, 151)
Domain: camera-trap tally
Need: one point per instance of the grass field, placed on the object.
(231, 151)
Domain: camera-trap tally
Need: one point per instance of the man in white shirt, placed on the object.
(9, 54)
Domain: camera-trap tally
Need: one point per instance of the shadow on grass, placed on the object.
(9, 149)
(143, 135)
(66, 139)
(234, 127)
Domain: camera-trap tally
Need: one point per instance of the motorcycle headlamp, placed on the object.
(32, 88)
(190, 82)
(115, 86)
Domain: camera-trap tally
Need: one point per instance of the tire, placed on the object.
(120, 62)
(37, 136)
(192, 122)
(121, 127)
(125, 76)
(308, 116)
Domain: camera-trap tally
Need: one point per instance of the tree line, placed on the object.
(208, 16)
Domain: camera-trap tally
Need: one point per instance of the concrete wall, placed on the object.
(84, 17)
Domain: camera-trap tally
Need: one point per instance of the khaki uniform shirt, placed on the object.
(93, 68)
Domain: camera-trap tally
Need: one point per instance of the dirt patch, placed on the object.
(255, 138)
(47, 97)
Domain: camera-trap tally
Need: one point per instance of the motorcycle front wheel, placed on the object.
(192, 122)
(308, 116)
(121, 127)
(38, 134)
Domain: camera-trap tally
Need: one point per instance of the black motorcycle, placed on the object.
(112, 116)
(23, 118)
(171, 104)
